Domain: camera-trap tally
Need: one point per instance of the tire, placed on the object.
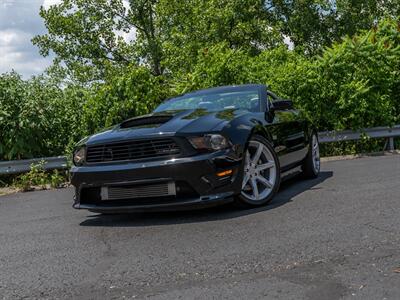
(261, 174)
(312, 163)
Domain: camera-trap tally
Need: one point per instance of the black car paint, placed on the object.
(286, 130)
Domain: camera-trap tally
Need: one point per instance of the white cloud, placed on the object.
(16, 55)
(48, 3)
(22, 63)
(19, 23)
(6, 3)
(12, 37)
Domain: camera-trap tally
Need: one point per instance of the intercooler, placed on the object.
(155, 190)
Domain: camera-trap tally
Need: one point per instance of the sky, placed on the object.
(19, 23)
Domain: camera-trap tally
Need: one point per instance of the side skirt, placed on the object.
(286, 175)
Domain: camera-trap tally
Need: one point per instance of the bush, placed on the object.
(354, 84)
(134, 92)
(37, 118)
(38, 177)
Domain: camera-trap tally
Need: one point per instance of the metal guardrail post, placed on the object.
(391, 144)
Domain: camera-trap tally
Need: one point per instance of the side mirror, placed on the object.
(281, 105)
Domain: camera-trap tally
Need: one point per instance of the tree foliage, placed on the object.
(95, 38)
(83, 35)
(134, 93)
(315, 24)
(343, 72)
(36, 117)
(355, 83)
(87, 35)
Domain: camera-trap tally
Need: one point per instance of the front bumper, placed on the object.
(195, 176)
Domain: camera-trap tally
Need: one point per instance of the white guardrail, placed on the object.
(60, 162)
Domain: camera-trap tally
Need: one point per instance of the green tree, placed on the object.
(83, 35)
(86, 35)
(195, 26)
(314, 24)
(356, 83)
(37, 118)
(135, 92)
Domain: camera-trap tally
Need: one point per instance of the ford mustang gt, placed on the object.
(203, 148)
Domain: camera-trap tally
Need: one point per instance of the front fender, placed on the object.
(242, 128)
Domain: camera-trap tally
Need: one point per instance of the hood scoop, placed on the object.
(151, 121)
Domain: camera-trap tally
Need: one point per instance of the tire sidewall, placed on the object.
(251, 203)
(308, 165)
(316, 172)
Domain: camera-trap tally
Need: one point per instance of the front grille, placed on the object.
(131, 150)
(162, 189)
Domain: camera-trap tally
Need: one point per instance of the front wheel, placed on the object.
(261, 174)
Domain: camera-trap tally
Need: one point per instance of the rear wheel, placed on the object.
(312, 164)
(261, 174)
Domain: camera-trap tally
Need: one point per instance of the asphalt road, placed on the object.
(334, 237)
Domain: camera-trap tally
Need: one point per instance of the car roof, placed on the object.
(227, 88)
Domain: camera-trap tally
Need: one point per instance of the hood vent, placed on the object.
(146, 121)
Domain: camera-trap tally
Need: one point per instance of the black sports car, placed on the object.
(203, 148)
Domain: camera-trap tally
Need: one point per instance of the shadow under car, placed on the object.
(288, 190)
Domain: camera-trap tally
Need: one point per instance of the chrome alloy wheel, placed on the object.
(315, 154)
(259, 172)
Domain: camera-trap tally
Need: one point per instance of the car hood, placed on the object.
(167, 123)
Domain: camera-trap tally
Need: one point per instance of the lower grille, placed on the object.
(141, 191)
(92, 196)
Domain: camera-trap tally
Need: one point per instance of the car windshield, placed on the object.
(216, 101)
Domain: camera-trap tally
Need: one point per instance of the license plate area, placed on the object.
(135, 191)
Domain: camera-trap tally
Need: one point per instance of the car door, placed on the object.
(288, 131)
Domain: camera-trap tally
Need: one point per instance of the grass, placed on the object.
(36, 179)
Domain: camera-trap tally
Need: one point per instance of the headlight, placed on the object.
(79, 156)
(209, 142)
